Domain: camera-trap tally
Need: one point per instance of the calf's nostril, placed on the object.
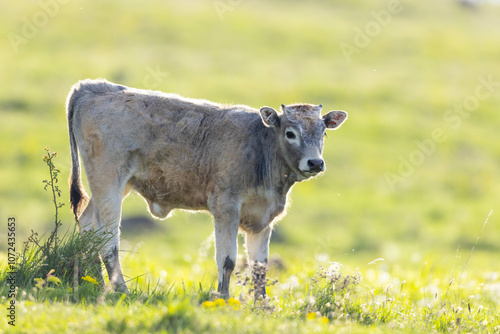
(315, 164)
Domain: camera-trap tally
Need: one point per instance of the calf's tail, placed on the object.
(78, 197)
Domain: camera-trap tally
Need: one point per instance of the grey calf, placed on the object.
(234, 161)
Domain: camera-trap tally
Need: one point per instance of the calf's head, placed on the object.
(301, 130)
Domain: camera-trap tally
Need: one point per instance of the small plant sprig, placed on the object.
(69, 255)
(56, 193)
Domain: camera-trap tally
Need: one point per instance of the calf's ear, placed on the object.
(334, 119)
(270, 117)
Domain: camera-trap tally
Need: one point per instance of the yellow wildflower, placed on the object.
(311, 316)
(220, 302)
(208, 304)
(90, 279)
(324, 320)
(234, 303)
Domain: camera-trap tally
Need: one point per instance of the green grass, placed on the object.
(380, 297)
(397, 91)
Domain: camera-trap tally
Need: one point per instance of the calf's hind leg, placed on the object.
(226, 212)
(107, 205)
(109, 209)
(86, 222)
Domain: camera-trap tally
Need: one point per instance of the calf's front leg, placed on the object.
(257, 245)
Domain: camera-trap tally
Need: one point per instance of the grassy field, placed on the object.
(411, 176)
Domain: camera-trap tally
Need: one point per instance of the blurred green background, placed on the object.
(403, 70)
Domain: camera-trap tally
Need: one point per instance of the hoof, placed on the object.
(121, 288)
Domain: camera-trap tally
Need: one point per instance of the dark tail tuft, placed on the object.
(77, 196)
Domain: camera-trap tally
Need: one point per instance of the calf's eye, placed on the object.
(290, 135)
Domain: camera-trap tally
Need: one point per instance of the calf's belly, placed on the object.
(162, 197)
